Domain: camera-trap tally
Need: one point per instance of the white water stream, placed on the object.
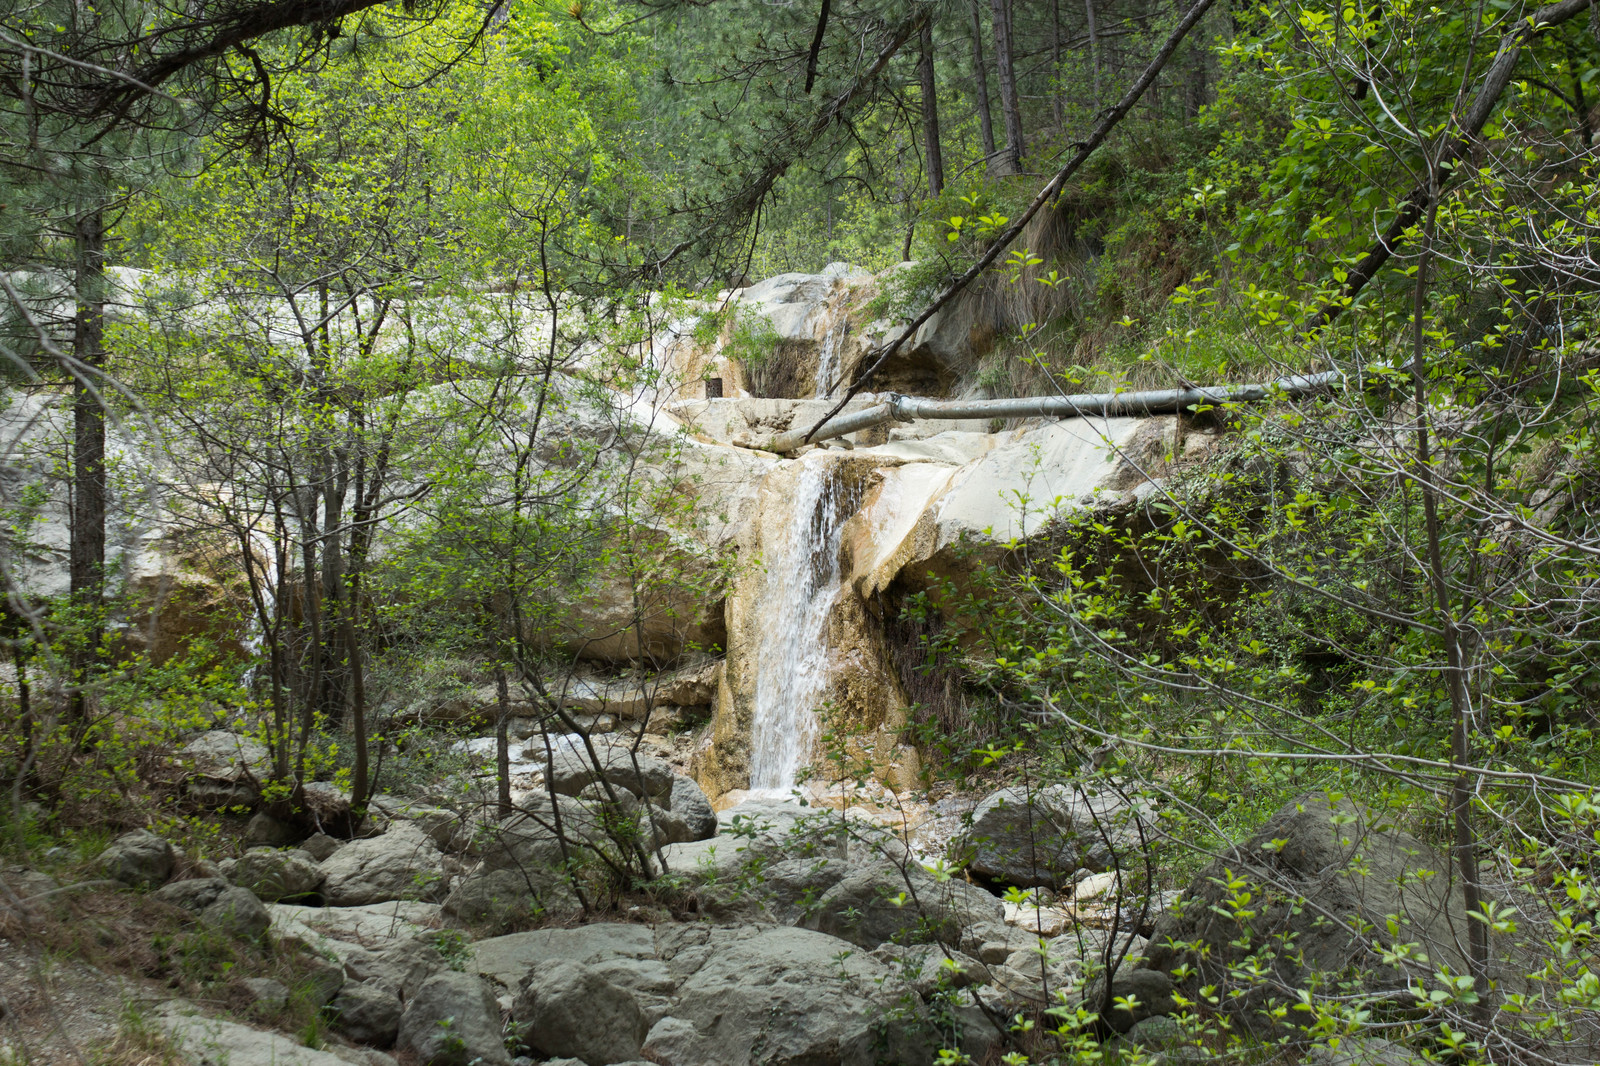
(802, 579)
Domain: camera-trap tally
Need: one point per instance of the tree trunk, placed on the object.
(87, 553)
(1465, 844)
(1094, 49)
(930, 113)
(980, 76)
(358, 701)
(1055, 65)
(1010, 105)
(502, 742)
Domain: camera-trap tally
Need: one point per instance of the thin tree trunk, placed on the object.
(930, 113)
(980, 76)
(502, 742)
(1461, 789)
(1055, 65)
(87, 562)
(1094, 49)
(1010, 103)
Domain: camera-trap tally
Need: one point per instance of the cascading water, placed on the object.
(828, 354)
(802, 579)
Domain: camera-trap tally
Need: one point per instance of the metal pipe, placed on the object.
(1167, 401)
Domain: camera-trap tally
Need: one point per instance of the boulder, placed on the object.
(453, 1020)
(1040, 837)
(366, 1014)
(521, 870)
(623, 954)
(647, 777)
(1320, 869)
(265, 831)
(224, 769)
(140, 859)
(759, 994)
(689, 802)
(202, 1041)
(320, 846)
(399, 969)
(227, 908)
(1135, 996)
(266, 995)
(401, 864)
(879, 902)
(568, 1008)
(277, 875)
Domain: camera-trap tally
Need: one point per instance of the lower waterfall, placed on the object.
(792, 654)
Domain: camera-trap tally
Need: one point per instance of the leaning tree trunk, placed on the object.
(930, 113)
(1010, 103)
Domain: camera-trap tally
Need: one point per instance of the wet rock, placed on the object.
(277, 875)
(453, 1020)
(366, 1014)
(1040, 837)
(569, 1008)
(139, 858)
(401, 864)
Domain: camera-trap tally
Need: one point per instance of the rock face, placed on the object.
(453, 1020)
(206, 1041)
(1355, 869)
(139, 858)
(1041, 837)
(569, 1009)
(401, 864)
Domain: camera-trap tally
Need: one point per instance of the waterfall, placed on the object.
(802, 578)
(828, 355)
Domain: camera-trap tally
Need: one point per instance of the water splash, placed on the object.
(792, 655)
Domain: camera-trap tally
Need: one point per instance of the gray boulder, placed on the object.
(569, 1008)
(399, 969)
(265, 831)
(1143, 994)
(366, 1014)
(401, 864)
(647, 777)
(227, 908)
(224, 769)
(689, 802)
(1024, 839)
(140, 859)
(762, 994)
(275, 875)
(879, 902)
(266, 995)
(320, 846)
(1318, 870)
(453, 1020)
